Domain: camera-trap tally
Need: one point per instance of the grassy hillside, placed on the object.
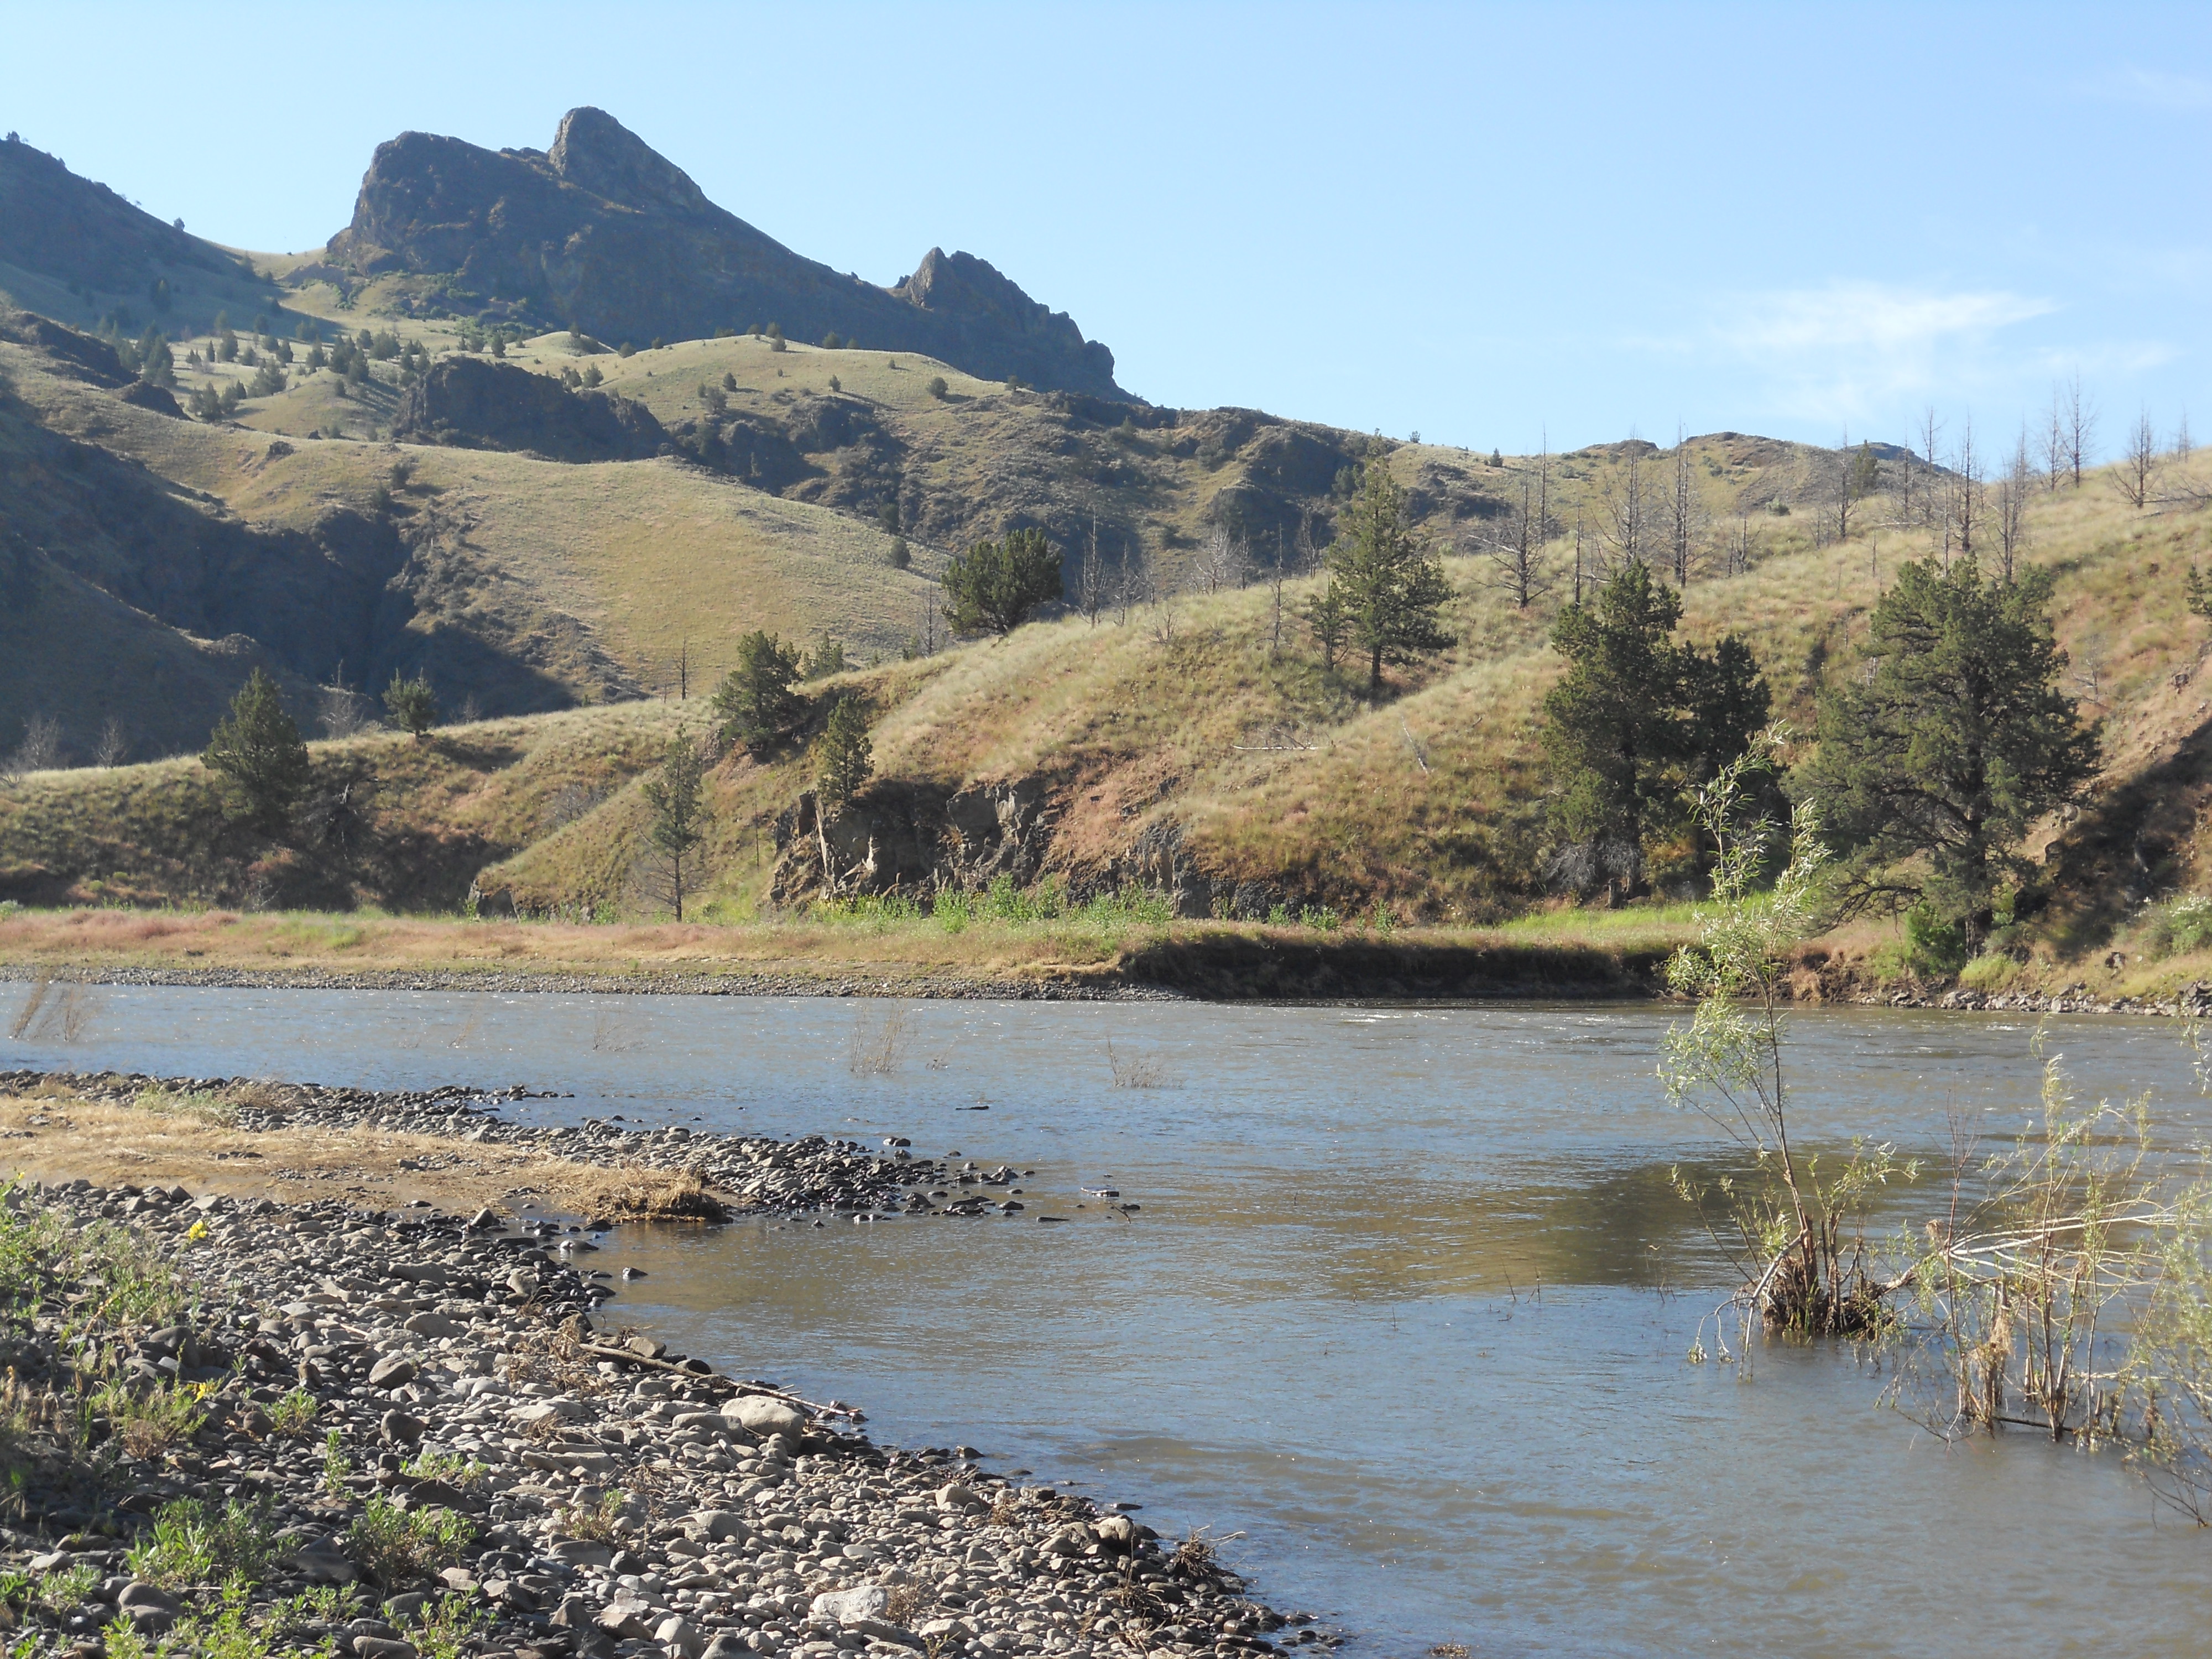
(156, 834)
(1191, 727)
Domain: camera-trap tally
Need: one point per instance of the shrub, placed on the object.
(996, 587)
(397, 1546)
(293, 1415)
(937, 389)
(444, 1626)
(2179, 928)
(1930, 948)
(195, 1543)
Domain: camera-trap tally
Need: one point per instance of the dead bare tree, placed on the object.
(1278, 573)
(1856, 476)
(112, 746)
(1932, 499)
(344, 712)
(1968, 491)
(2081, 429)
(927, 615)
(41, 748)
(2139, 464)
(1685, 510)
(1738, 551)
(1518, 567)
(2181, 438)
(1628, 506)
(1580, 538)
(1221, 562)
(2012, 506)
(1136, 581)
(2054, 441)
(1090, 580)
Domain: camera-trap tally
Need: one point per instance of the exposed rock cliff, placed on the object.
(601, 232)
(475, 405)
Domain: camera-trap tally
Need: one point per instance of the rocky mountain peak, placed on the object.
(595, 152)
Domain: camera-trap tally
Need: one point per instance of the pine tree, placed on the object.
(257, 750)
(1638, 721)
(1956, 741)
(678, 797)
(996, 587)
(759, 708)
(843, 760)
(1389, 584)
(157, 364)
(412, 704)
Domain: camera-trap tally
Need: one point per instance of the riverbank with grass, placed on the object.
(853, 954)
(358, 1422)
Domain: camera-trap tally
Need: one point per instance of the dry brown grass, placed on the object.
(168, 1141)
(633, 1195)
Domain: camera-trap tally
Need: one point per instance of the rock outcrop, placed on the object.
(602, 234)
(472, 403)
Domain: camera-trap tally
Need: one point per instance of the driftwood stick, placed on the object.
(625, 1357)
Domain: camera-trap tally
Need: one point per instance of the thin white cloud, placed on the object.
(2155, 88)
(1899, 323)
(1853, 349)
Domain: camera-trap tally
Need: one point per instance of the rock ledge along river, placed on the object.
(1402, 1296)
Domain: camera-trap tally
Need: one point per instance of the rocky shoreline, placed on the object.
(413, 1436)
(2192, 1001)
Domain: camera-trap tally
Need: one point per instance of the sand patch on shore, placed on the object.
(185, 1139)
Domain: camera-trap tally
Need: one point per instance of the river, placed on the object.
(1405, 1299)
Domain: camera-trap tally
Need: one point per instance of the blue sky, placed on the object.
(1482, 223)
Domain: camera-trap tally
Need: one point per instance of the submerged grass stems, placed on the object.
(2068, 1292)
(1794, 1229)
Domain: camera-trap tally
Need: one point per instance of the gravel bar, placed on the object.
(614, 1498)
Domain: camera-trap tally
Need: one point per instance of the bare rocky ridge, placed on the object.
(571, 1489)
(600, 232)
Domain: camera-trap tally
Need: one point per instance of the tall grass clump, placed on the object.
(2068, 1291)
(879, 1039)
(1793, 1229)
(1005, 905)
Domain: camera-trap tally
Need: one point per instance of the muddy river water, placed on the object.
(1405, 1299)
